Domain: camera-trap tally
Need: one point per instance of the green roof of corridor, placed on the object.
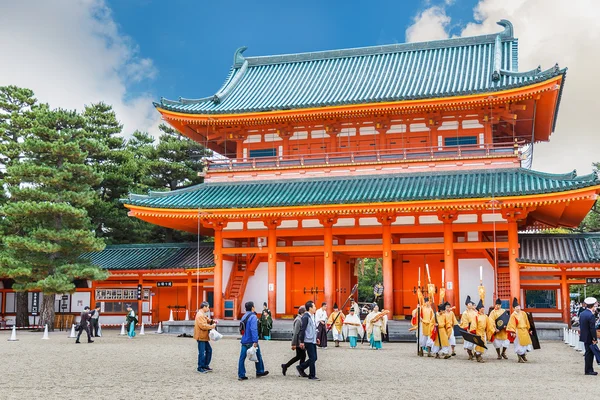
(470, 184)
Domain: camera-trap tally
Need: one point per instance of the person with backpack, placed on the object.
(249, 331)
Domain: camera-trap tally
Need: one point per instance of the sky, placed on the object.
(129, 53)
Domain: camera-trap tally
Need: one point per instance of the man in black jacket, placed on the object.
(84, 324)
(300, 353)
(587, 333)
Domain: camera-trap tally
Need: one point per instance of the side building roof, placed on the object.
(127, 257)
(407, 71)
(559, 249)
(468, 184)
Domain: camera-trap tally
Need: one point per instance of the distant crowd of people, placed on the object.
(89, 323)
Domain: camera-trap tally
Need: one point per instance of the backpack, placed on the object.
(243, 324)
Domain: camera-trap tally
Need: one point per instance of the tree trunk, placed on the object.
(47, 311)
(22, 318)
(168, 235)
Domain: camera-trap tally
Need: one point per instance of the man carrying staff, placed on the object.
(321, 320)
(501, 341)
(518, 327)
(483, 327)
(336, 321)
(451, 321)
(441, 345)
(465, 322)
(427, 324)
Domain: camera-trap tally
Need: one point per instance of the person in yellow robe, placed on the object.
(518, 327)
(336, 327)
(441, 344)
(501, 341)
(450, 323)
(427, 324)
(483, 327)
(465, 323)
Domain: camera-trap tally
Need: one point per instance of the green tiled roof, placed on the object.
(559, 249)
(153, 256)
(407, 71)
(470, 184)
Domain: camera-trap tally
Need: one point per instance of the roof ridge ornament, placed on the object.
(238, 58)
(497, 58)
(508, 28)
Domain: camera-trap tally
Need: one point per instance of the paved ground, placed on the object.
(162, 366)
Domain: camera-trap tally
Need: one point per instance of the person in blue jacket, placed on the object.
(250, 339)
(587, 333)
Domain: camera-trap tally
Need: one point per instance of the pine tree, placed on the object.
(591, 222)
(118, 168)
(15, 119)
(174, 164)
(50, 190)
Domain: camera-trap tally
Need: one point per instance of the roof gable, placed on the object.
(406, 71)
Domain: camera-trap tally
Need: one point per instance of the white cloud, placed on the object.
(431, 24)
(551, 31)
(71, 53)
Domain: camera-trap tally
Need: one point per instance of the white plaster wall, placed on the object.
(227, 265)
(468, 273)
(79, 300)
(281, 289)
(256, 288)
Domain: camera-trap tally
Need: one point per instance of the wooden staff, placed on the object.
(343, 307)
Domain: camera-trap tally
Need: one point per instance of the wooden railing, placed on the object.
(366, 156)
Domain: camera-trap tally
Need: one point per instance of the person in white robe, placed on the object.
(352, 328)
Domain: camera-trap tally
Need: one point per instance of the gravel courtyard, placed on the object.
(163, 367)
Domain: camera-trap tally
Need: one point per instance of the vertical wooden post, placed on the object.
(328, 270)
(92, 297)
(513, 254)
(398, 291)
(189, 293)
(566, 298)
(388, 272)
(272, 267)
(218, 273)
(140, 311)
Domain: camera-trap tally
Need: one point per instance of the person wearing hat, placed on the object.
(500, 337)
(336, 321)
(266, 308)
(352, 328)
(483, 327)
(518, 327)
(376, 323)
(427, 324)
(450, 323)
(465, 322)
(131, 320)
(587, 333)
(441, 344)
(321, 321)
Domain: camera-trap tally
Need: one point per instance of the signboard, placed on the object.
(35, 303)
(65, 297)
(139, 292)
(64, 306)
(591, 281)
(164, 284)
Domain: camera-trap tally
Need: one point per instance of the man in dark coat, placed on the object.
(84, 324)
(587, 333)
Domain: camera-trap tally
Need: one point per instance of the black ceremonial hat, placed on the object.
(515, 302)
(498, 301)
(335, 306)
(468, 301)
(480, 305)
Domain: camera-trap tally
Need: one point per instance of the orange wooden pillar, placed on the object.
(387, 267)
(566, 298)
(513, 254)
(189, 293)
(328, 269)
(450, 277)
(218, 273)
(272, 267)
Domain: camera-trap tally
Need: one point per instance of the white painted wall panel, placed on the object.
(468, 273)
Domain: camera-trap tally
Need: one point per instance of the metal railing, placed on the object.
(366, 156)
